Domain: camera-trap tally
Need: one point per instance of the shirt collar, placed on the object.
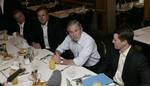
(126, 51)
(44, 24)
(81, 37)
(21, 24)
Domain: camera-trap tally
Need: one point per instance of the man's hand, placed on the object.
(36, 45)
(56, 58)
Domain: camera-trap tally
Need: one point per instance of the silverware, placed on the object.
(23, 73)
(65, 68)
(68, 83)
(3, 74)
(5, 69)
(87, 75)
(45, 56)
(79, 80)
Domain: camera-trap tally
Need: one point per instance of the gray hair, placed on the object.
(74, 22)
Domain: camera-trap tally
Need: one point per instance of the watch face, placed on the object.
(61, 61)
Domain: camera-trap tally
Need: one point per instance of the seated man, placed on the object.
(6, 9)
(23, 25)
(126, 66)
(48, 33)
(82, 46)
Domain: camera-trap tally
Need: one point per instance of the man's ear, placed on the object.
(125, 41)
(67, 33)
(81, 29)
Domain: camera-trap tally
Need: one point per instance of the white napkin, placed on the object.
(19, 41)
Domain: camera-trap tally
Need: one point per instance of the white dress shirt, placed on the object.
(45, 35)
(21, 26)
(84, 50)
(118, 76)
(2, 5)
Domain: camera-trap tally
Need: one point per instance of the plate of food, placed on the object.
(22, 51)
(7, 56)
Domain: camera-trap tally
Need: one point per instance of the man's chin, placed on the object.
(75, 40)
(117, 48)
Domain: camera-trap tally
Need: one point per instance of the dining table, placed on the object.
(40, 62)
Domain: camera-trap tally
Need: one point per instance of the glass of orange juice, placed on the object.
(52, 64)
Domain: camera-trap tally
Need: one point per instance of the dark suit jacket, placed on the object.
(136, 71)
(56, 34)
(9, 7)
(27, 30)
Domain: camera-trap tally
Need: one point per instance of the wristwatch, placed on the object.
(61, 62)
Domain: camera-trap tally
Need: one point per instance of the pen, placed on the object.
(45, 56)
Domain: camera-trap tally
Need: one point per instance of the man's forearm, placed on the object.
(67, 62)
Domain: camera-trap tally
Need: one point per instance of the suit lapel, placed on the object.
(49, 31)
(25, 27)
(116, 60)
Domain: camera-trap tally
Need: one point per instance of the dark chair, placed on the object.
(104, 44)
(145, 22)
(101, 47)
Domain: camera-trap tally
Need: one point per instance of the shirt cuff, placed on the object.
(77, 62)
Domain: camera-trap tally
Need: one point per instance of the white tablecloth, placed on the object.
(142, 35)
(70, 73)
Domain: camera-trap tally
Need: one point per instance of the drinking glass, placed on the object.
(52, 64)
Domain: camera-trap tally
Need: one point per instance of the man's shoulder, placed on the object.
(87, 36)
(135, 51)
(136, 54)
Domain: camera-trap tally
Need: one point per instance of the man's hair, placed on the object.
(125, 33)
(17, 11)
(42, 8)
(74, 22)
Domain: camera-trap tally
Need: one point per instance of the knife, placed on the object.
(45, 56)
(68, 83)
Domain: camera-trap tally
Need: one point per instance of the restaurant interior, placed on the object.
(99, 18)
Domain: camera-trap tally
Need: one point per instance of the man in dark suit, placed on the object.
(126, 66)
(6, 9)
(49, 33)
(22, 25)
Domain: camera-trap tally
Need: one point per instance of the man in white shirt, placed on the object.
(81, 44)
(125, 65)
